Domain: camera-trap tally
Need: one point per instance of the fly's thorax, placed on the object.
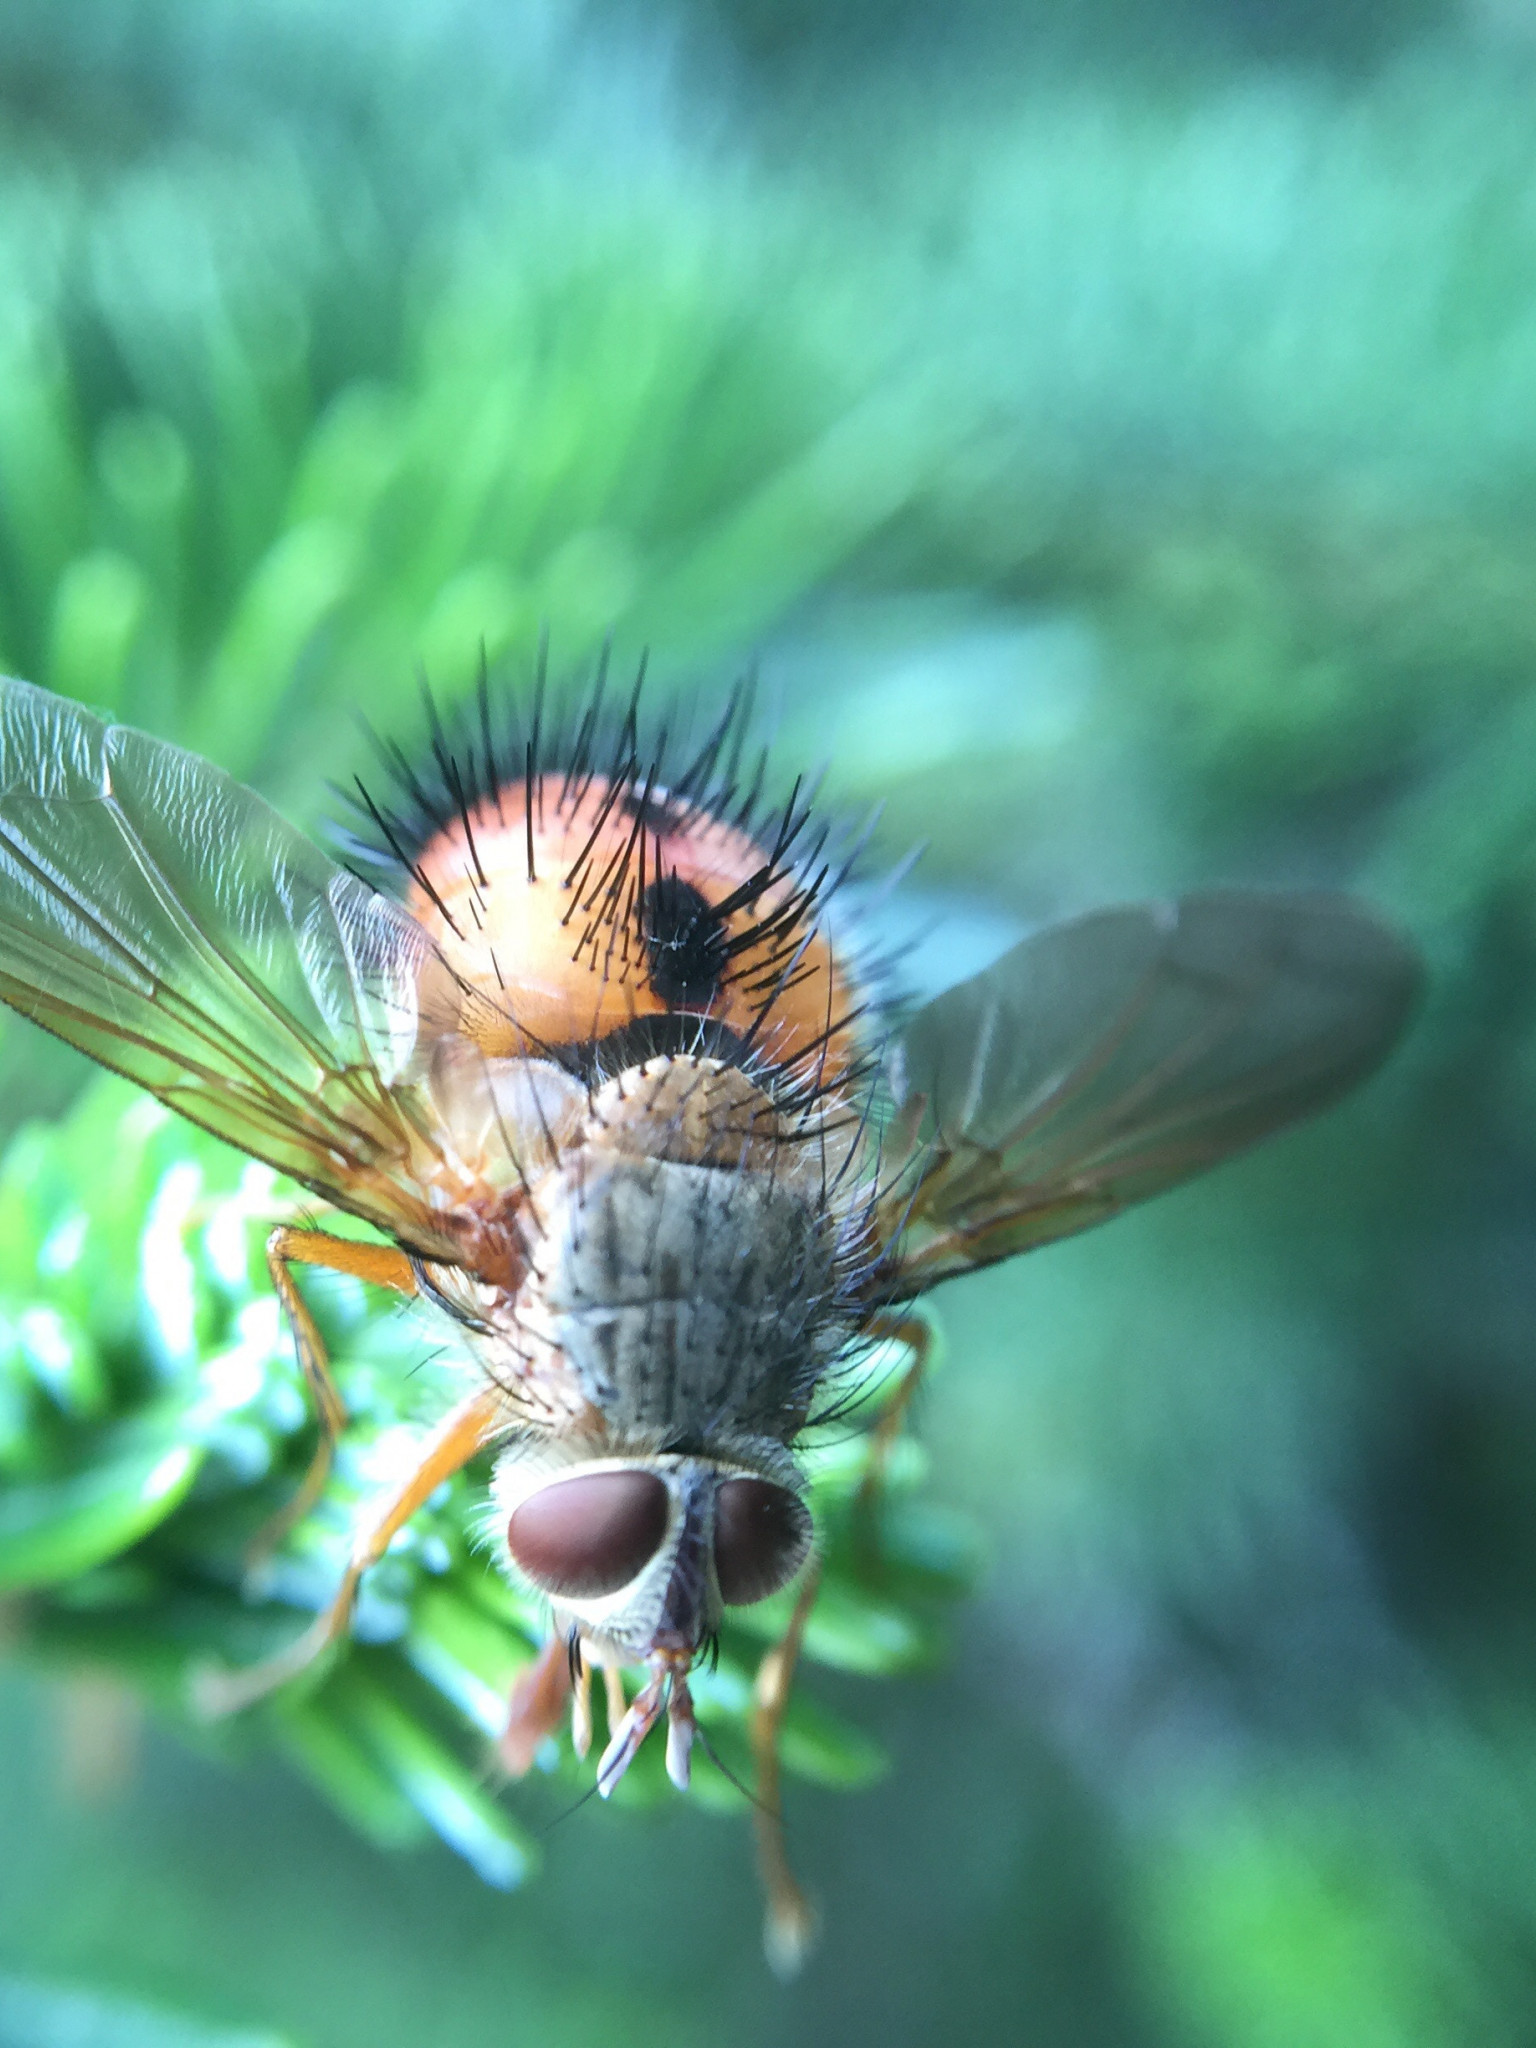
(657, 1255)
(694, 1298)
(645, 1552)
(503, 1122)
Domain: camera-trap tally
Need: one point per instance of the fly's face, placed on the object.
(645, 1554)
(639, 1557)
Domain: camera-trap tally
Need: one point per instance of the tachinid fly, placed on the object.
(590, 1055)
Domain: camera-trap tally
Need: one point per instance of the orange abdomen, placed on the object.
(612, 903)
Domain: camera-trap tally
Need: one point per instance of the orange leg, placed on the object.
(539, 1698)
(917, 1335)
(465, 1430)
(581, 1710)
(380, 1265)
(614, 1696)
(537, 1703)
(789, 1926)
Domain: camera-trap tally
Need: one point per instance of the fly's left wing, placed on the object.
(1106, 1059)
(168, 922)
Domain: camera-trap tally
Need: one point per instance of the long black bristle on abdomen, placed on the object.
(475, 752)
(560, 742)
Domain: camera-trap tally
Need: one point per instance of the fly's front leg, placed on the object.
(539, 1701)
(581, 1710)
(614, 1696)
(790, 1921)
(561, 1672)
(464, 1431)
(380, 1266)
(918, 1337)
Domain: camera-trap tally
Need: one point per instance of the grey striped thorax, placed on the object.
(685, 1262)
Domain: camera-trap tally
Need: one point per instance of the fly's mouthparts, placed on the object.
(667, 1686)
(681, 1729)
(626, 1739)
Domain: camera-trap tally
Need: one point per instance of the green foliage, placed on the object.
(34, 2015)
(256, 461)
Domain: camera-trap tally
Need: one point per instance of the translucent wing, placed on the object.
(169, 923)
(1103, 1060)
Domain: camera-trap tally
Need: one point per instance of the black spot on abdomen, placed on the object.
(685, 943)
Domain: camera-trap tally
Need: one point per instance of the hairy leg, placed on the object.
(379, 1265)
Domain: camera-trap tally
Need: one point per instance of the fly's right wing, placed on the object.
(1104, 1060)
(168, 922)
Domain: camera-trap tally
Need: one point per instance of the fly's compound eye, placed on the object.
(585, 1537)
(762, 1537)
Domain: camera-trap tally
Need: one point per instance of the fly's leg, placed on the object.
(538, 1701)
(559, 1673)
(581, 1710)
(465, 1430)
(917, 1336)
(614, 1696)
(790, 1920)
(380, 1266)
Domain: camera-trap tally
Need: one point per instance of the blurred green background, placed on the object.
(1112, 429)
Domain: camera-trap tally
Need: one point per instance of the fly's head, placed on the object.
(639, 1556)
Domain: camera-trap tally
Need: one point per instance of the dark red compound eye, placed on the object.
(581, 1538)
(762, 1537)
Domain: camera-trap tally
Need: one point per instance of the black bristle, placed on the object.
(634, 914)
(578, 866)
(490, 770)
(536, 734)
